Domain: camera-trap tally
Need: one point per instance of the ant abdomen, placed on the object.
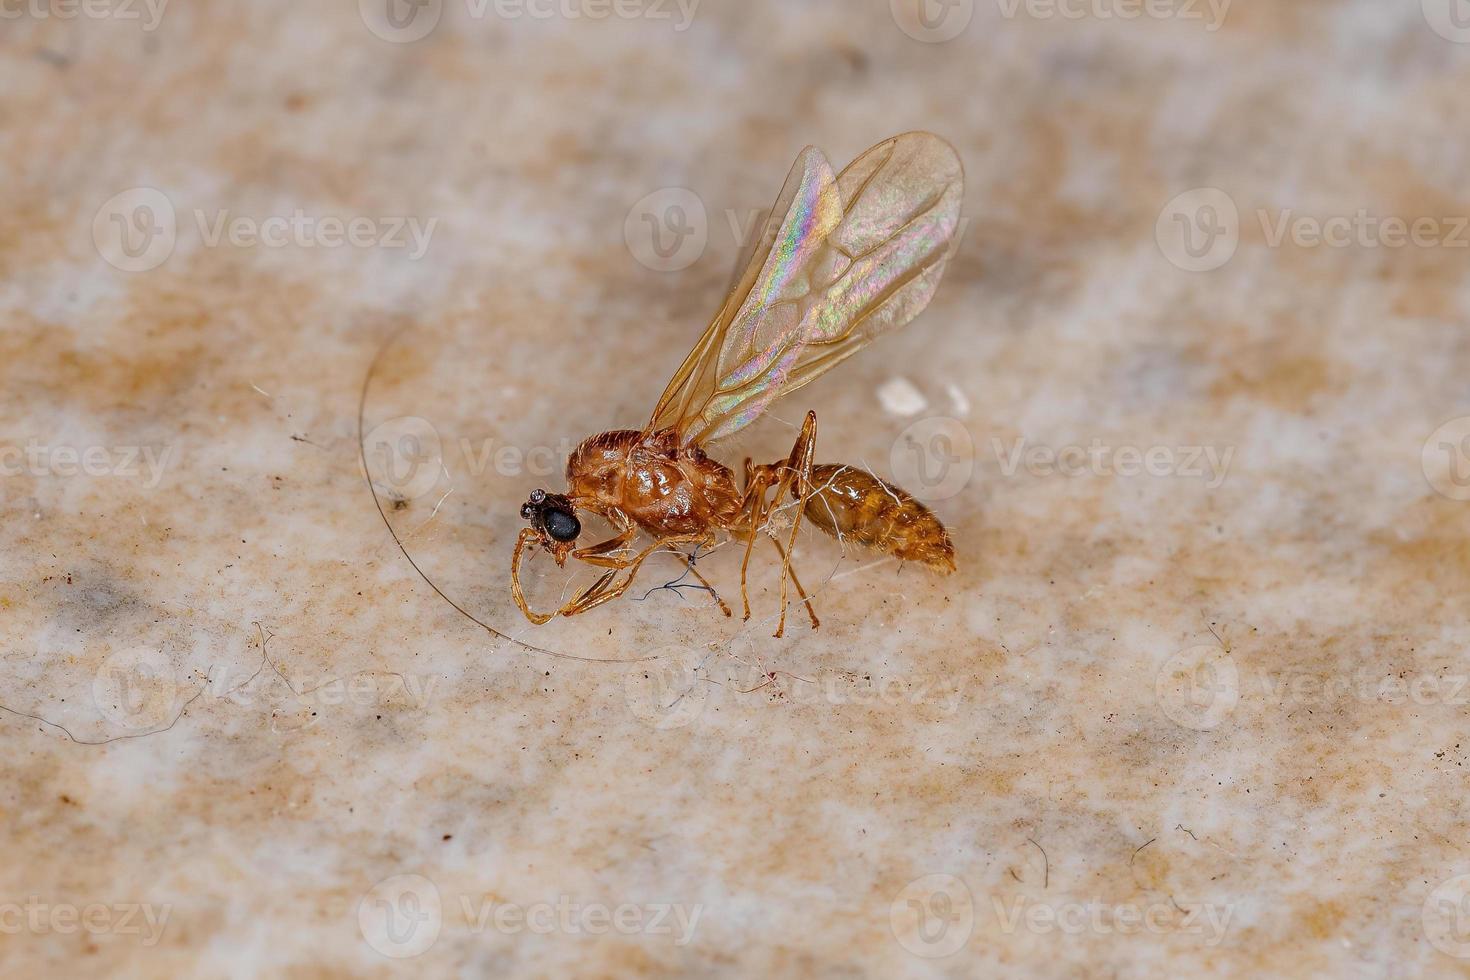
(853, 505)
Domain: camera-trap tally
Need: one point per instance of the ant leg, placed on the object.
(595, 554)
(797, 469)
(527, 536)
(592, 555)
(756, 485)
(603, 591)
(806, 599)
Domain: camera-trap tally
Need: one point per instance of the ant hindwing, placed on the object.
(855, 255)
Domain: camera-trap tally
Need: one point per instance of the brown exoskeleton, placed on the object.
(854, 255)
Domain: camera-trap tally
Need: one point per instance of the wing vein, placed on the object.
(860, 254)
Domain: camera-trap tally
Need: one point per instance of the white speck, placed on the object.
(261, 390)
(961, 403)
(901, 398)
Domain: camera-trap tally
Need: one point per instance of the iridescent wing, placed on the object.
(853, 256)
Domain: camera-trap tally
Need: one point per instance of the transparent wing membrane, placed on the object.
(853, 256)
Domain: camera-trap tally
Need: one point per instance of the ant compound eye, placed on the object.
(538, 496)
(562, 525)
(527, 512)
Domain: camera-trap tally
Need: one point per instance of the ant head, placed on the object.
(554, 518)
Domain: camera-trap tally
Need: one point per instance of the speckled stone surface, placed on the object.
(1193, 705)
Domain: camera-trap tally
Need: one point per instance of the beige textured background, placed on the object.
(1158, 724)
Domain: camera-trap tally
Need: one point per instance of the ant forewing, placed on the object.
(853, 256)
